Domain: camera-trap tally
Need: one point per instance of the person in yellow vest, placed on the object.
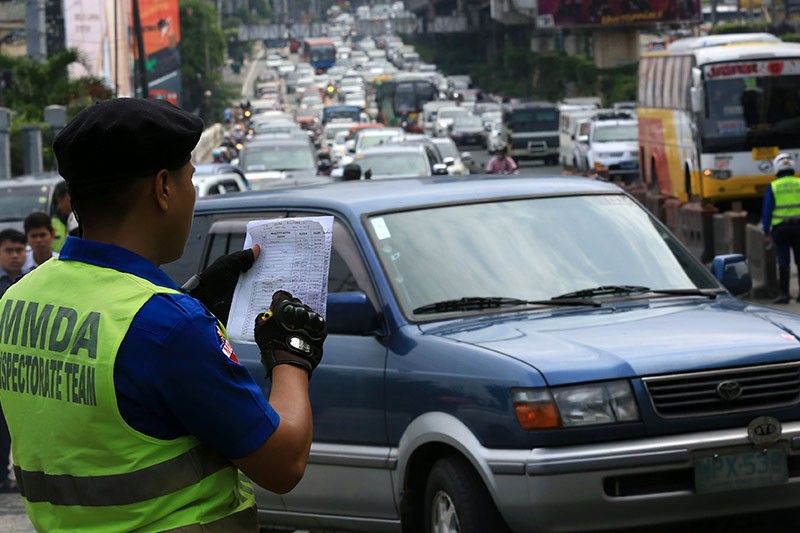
(63, 210)
(781, 219)
(127, 406)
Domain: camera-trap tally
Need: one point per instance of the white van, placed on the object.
(568, 133)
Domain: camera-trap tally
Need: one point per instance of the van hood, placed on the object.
(639, 339)
(261, 177)
(616, 146)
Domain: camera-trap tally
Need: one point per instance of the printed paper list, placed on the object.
(295, 257)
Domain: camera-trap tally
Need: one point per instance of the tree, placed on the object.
(36, 84)
(203, 48)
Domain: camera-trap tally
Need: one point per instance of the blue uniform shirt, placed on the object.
(173, 375)
(766, 210)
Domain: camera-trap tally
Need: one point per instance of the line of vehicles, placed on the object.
(522, 354)
(502, 352)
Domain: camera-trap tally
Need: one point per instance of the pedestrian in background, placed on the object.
(60, 220)
(780, 220)
(149, 416)
(12, 261)
(12, 258)
(39, 233)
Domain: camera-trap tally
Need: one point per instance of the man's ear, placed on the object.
(162, 189)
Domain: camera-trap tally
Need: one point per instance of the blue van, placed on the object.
(528, 355)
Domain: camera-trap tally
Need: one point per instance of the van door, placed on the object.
(350, 450)
(226, 235)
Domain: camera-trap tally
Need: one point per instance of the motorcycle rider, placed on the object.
(501, 162)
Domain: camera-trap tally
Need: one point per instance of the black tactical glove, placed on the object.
(290, 333)
(214, 286)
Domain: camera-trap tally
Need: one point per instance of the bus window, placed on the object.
(683, 81)
(666, 85)
(426, 92)
(658, 82)
(405, 98)
(644, 69)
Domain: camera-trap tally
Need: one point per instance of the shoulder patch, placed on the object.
(225, 345)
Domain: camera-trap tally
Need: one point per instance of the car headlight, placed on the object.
(577, 405)
(600, 403)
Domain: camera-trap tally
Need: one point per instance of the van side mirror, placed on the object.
(697, 77)
(698, 99)
(351, 313)
(439, 169)
(733, 272)
(350, 146)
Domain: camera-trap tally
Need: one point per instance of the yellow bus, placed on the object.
(713, 112)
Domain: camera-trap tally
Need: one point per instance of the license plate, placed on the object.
(765, 153)
(628, 165)
(743, 470)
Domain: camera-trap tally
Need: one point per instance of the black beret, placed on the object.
(124, 138)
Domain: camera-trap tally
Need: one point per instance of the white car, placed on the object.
(274, 61)
(356, 99)
(285, 68)
(368, 138)
(455, 161)
(614, 149)
(445, 117)
(338, 146)
(215, 184)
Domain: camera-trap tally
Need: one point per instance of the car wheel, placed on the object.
(456, 500)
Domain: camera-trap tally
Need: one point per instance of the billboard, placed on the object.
(567, 13)
(161, 34)
(100, 31)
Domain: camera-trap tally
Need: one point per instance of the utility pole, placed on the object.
(140, 60)
(32, 149)
(35, 30)
(5, 144)
(714, 13)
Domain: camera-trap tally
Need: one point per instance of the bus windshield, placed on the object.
(323, 53)
(533, 119)
(743, 113)
(411, 96)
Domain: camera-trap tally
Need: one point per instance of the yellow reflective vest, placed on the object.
(79, 465)
(786, 192)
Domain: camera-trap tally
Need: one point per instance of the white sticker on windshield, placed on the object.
(381, 230)
(616, 199)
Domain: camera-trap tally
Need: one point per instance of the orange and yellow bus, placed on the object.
(713, 113)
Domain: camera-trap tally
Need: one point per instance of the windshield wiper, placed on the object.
(603, 290)
(709, 293)
(478, 303)
(613, 290)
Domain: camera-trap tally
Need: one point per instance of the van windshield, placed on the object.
(18, 202)
(558, 245)
(533, 119)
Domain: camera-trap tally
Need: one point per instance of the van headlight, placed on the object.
(576, 405)
(598, 403)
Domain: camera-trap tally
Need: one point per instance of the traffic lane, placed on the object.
(14, 520)
(527, 167)
(780, 521)
(12, 515)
